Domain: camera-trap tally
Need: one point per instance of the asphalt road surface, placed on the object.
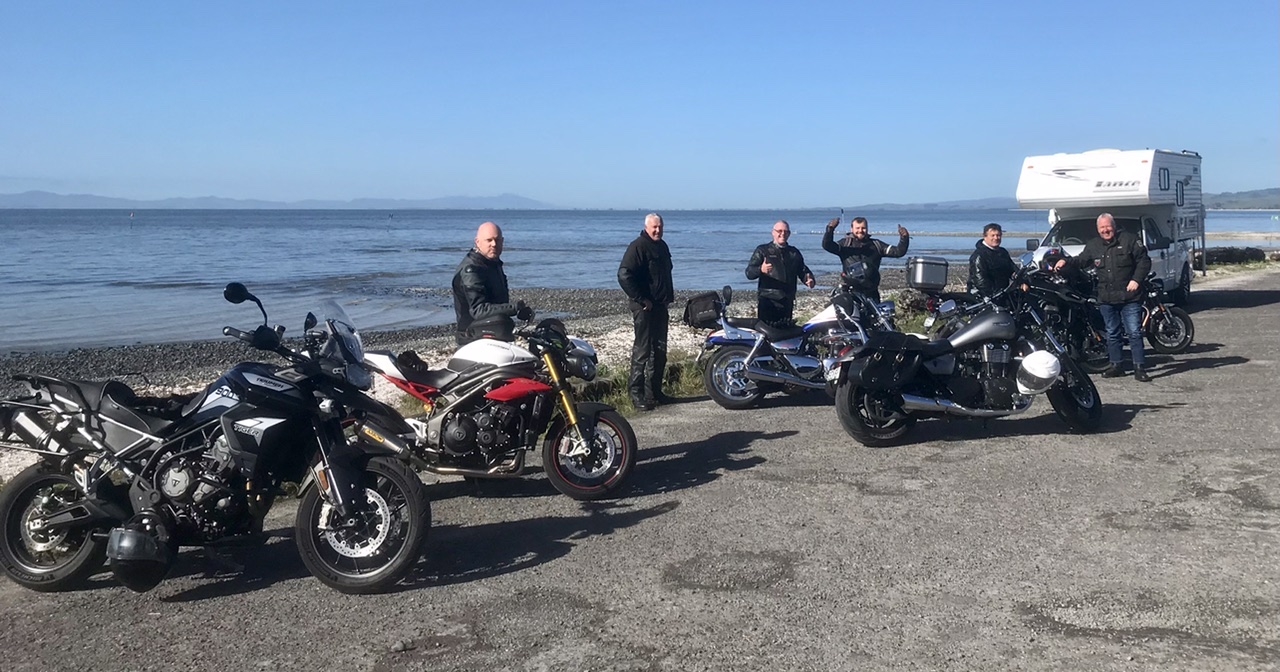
(769, 540)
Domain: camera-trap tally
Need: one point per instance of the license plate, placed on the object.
(833, 374)
(928, 321)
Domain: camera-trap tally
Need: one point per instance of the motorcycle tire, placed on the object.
(726, 383)
(1091, 354)
(1170, 331)
(599, 473)
(52, 560)
(1075, 399)
(864, 417)
(374, 556)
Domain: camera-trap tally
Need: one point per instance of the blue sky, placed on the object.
(624, 104)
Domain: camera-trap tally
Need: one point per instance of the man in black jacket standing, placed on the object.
(778, 266)
(990, 265)
(481, 301)
(1122, 264)
(860, 248)
(645, 276)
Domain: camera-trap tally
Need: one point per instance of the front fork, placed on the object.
(337, 473)
(564, 392)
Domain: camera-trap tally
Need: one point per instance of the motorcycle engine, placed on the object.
(198, 485)
(988, 382)
(490, 429)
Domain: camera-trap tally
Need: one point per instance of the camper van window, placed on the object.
(1081, 231)
(1156, 240)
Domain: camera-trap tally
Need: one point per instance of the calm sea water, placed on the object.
(102, 277)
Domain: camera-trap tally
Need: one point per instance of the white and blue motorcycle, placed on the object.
(747, 359)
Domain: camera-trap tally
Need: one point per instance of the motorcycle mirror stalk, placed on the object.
(237, 293)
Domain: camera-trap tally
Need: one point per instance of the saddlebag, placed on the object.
(703, 311)
(889, 360)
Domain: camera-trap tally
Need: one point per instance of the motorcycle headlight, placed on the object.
(582, 367)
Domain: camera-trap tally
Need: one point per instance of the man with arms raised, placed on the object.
(860, 255)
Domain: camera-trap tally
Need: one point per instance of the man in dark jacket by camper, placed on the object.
(990, 265)
(481, 301)
(778, 266)
(860, 255)
(645, 276)
(1122, 264)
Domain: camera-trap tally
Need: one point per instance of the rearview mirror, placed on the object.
(236, 293)
(1032, 244)
(309, 322)
(727, 294)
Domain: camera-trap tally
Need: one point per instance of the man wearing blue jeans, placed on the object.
(1122, 263)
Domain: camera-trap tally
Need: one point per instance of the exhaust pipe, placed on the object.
(512, 469)
(39, 435)
(764, 375)
(911, 402)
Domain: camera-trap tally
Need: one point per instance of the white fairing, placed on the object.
(384, 362)
(827, 315)
(489, 351)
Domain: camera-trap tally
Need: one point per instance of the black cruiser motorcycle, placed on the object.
(986, 361)
(130, 479)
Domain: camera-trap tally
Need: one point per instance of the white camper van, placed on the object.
(1152, 193)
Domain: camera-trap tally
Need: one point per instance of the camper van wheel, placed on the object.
(1182, 295)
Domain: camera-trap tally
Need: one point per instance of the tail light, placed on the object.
(931, 304)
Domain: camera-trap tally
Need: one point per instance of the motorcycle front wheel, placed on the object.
(592, 471)
(869, 417)
(1170, 330)
(374, 549)
(47, 560)
(1075, 399)
(726, 381)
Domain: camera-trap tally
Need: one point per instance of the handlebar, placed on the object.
(237, 334)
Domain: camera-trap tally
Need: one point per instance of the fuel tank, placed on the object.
(994, 325)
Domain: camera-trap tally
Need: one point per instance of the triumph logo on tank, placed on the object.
(260, 381)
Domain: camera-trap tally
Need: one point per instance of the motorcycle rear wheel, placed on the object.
(50, 560)
(1170, 331)
(726, 381)
(866, 417)
(1075, 399)
(376, 551)
(602, 470)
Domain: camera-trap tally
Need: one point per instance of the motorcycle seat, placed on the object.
(775, 334)
(111, 398)
(742, 322)
(932, 349)
(437, 378)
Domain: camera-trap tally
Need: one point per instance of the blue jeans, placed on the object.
(1131, 315)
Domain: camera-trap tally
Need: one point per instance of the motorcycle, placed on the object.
(748, 359)
(1168, 328)
(988, 361)
(491, 402)
(129, 479)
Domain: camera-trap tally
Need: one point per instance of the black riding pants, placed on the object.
(649, 353)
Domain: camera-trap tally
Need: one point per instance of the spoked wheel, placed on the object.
(594, 469)
(1170, 330)
(726, 381)
(1075, 399)
(46, 560)
(373, 549)
(870, 417)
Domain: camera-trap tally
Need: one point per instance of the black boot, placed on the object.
(1113, 371)
(1140, 375)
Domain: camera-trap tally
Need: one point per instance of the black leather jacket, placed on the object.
(1123, 259)
(787, 271)
(645, 272)
(989, 269)
(869, 252)
(480, 291)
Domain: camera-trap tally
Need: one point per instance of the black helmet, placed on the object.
(140, 553)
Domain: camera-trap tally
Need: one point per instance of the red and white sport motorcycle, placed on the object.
(491, 403)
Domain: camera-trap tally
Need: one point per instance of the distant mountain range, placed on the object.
(1260, 199)
(44, 199)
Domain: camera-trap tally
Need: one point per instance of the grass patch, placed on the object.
(1241, 267)
(683, 379)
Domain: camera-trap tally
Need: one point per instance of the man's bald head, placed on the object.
(489, 240)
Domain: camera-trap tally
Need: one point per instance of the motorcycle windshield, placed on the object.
(344, 339)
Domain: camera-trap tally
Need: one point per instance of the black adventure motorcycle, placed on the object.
(988, 361)
(130, 479)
